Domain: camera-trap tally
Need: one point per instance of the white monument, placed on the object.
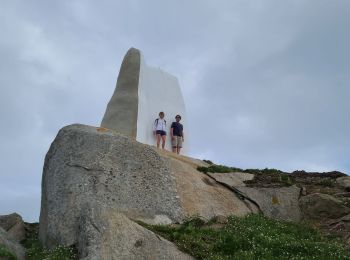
(141, 93)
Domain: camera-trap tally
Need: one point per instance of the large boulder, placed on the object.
(279, 203)
(322, 207)
(89, 165)
(107, 235)
(14, 225)
(11, 245)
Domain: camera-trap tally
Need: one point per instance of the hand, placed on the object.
(172, 138)
(183, 139)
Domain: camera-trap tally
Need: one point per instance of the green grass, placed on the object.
(252, 237)
(35, 251)
(5, 253)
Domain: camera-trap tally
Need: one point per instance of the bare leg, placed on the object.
(163, 141)
(174, 149)
(158, 140)
(178, 150)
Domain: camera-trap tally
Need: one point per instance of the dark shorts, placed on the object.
(160, 132)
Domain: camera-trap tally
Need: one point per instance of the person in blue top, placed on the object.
(159, 129)
(177, 135)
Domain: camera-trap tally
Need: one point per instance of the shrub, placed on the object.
(264, 171)
(208, 162)
(327, 182)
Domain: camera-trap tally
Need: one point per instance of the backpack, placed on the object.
(156, 122)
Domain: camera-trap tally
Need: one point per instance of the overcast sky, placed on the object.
(266, 83)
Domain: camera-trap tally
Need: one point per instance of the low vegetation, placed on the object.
(261, 176)
(208, 162)
(327, 182)
(36, 252)
(218, 169)
(251, 237)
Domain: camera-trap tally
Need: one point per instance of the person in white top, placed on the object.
(159, 129)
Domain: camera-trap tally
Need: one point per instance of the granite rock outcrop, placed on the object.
(96, 166)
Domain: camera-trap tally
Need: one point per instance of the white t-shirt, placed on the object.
(159, 124)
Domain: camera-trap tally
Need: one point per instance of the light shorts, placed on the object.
(177, 141)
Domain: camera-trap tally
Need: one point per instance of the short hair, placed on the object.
(178, 116)
(161, 113)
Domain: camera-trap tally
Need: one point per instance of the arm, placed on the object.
(154, 127)
(172, 130)
(171, 133)
(183, 136)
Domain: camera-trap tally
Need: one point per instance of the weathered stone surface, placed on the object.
(89, 165)
(233, 179)
(278, 203)
(340, 227)
(11, 245)
(201, 195)
(107, 235)
(14, 225)
(322, 207)
(343, 182)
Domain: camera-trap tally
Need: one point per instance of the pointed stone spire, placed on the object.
(121, 112)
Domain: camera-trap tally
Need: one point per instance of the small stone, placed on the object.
(303, 191)
(221, 219)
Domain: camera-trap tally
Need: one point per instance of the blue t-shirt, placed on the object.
(177, 128)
